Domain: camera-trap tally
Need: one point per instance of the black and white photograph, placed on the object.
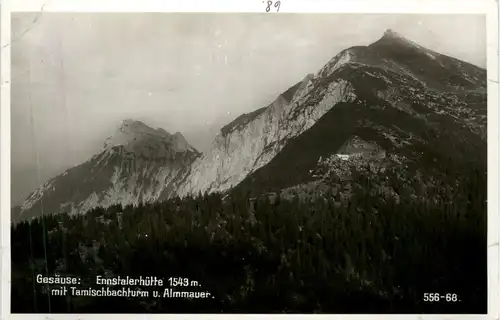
(290, 163)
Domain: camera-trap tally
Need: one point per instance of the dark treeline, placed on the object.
(370, 254)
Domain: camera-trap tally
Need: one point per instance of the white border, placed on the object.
(299, 6)
(5, 158)
(306, 6)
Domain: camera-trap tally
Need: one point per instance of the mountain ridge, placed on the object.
(417, 120)
(136, 164)
(419, 90)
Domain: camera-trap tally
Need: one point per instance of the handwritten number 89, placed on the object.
(276, 5)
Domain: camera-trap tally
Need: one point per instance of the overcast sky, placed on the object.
(76, 76)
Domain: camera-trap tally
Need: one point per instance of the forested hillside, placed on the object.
(370, 253)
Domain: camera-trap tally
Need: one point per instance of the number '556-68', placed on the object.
(436, 297)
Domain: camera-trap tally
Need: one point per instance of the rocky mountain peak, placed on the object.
(137, 164)
(131, 123)
(389, 33)
(131, 126)
(131, 132)
(134, 135)
(391, 37)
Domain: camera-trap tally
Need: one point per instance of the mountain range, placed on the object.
(390, 105)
